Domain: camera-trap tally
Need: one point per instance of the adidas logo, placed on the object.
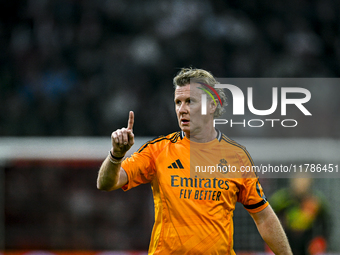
(177, 164)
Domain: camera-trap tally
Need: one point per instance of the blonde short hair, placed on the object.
(187, 75)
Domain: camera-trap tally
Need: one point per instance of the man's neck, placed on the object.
(204, 136)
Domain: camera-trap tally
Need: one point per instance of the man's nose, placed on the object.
(184, 108)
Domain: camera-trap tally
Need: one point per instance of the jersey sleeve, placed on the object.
(251, 194)
(140, 168)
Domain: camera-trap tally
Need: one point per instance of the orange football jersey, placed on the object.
(194, 208)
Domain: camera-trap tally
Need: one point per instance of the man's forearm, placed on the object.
(271, 231)
(111, 176)
(108, 175)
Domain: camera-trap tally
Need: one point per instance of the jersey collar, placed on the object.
(218, 137)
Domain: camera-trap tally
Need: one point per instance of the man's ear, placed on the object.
(212, 107)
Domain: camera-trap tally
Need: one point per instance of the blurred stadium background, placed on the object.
(71, 70)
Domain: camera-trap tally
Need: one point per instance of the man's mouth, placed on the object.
(185, 121)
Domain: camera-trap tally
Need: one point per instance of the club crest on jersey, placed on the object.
(224, 165)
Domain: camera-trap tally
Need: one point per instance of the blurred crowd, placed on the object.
(76, 67)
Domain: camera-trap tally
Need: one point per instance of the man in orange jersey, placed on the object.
(193, 212)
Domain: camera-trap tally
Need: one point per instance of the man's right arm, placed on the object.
(111, 175)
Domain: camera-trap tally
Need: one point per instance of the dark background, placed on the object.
(77, 67)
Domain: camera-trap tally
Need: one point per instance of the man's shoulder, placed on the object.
(226, 141)
(235, 147)
(163, 139)
(172, 137)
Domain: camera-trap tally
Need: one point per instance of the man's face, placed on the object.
(188, 109)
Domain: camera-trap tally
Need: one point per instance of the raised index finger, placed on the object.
(131, 120)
